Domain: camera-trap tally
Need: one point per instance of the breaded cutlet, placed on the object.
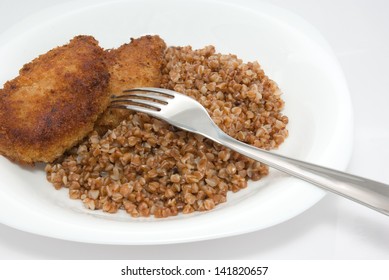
(54, 102)
(136, 64)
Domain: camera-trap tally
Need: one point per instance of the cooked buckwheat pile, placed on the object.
(147, 167)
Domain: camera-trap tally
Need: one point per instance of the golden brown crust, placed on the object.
(54, 102)
(136, 64)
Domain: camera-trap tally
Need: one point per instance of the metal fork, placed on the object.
(187, 114)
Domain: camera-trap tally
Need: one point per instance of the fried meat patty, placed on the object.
(54, 102)
(136, 64)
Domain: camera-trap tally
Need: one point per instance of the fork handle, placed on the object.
(361, 190)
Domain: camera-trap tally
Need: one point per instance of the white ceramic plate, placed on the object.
(290, 51)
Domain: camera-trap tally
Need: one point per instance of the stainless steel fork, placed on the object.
(187, 114)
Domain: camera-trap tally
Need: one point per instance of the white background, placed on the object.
(335, 228)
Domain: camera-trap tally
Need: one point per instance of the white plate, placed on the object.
(290, 51)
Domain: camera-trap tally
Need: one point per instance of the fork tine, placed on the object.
(135, 108)
(142, 96)
(116, 103)
(160, 91)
